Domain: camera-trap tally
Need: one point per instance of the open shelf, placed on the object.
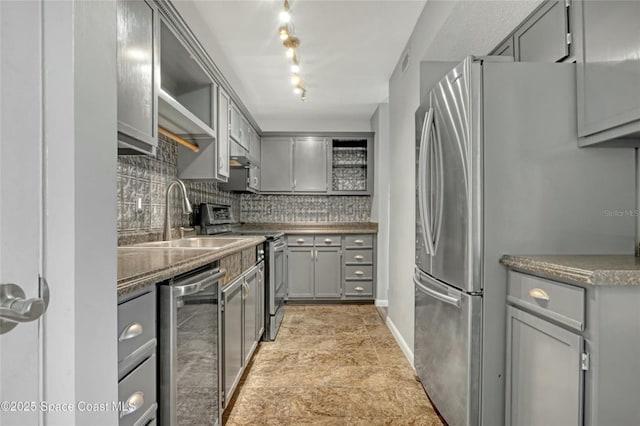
(173, 116)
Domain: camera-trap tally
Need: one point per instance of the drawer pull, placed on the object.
(359, 241)
(328, 240)
(300, 240)
(132, 404)
(359, 273)
(132, 330)
(359, 289)
(538, 293)
(358, 257)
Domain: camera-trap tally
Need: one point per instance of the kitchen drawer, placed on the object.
(358, 288)
(327, 240)
(358, 272)
(137, 394)
(300, 240)
(560, 302)
(357, 241)
(136, 331)
(352, 257)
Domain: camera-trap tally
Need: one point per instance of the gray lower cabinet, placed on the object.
(250, 313)
(331, 267)
(242, 325)
(137, 58)
(137, 359)
(276, 173)
(231, 339)
(300, 272)
(544, 378)
(608, 73)
(327, 282)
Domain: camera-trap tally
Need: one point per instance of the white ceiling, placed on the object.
(348, 50)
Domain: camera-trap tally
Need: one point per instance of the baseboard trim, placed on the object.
(400, 340)
(382, 303)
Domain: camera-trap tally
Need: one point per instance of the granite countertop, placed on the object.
(315, 228)
(139, 267)
(581, 269)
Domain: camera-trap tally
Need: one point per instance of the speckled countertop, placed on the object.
(581, 269)
(139, 267)
(315, 228)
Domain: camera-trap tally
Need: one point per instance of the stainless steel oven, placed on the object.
(188, 348)
(276, 288)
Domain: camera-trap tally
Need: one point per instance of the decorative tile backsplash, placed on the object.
(147, 178)
(304, 208)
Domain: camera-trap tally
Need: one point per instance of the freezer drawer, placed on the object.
(447, 348)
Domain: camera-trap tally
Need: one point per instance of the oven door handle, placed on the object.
(198, 286)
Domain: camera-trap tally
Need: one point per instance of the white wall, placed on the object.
(80, 130)
(380, 203)
(437, 36)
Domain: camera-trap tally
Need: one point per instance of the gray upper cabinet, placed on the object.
(544, 377)
(505, 49)
(275, 166)
(608, 73)
(310, 164)
(223, 134)
(543, 37)
(254, 146)
(327, 276)
(239, 127)
(138, 78)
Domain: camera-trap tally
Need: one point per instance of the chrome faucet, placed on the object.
(186, 207)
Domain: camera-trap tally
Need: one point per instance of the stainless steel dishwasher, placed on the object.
(188, 348)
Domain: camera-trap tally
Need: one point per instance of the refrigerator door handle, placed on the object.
(422, 177)
(439, 187)
(446, 298)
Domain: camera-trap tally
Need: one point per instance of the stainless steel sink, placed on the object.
(209, 243)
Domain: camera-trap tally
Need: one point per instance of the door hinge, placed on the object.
(567, 3)
(221, 305)
(222, 397)
(569, 38)
(584, 361)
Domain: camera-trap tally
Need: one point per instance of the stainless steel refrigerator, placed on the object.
(498, 170)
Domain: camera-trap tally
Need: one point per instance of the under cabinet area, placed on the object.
(138, 83)
(137, 359)
(331, 267)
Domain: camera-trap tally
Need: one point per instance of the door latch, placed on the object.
(15, 308)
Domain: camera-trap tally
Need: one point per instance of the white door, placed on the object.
(20, 208)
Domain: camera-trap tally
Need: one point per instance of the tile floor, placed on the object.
(330, 365)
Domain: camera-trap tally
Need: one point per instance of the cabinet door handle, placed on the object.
(359, 273)
(245, 291)
(328, 240)
(131, 331)
(359, 289)
(300, 241)
(359, 242)
(358, 257)
(132, 404)
(538, 293)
